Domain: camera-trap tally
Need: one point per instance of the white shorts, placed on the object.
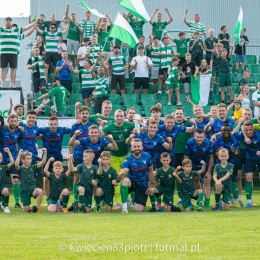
(155, 73)
(126, 74)
(72, 47)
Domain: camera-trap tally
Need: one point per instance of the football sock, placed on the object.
(82, 201)
(235, 190)
(217, 198)
(65, 199)
(132, 196)
(249, 189)
(16, 191)
(206, 201)
(200, 199)
(152, 199)
(178, 188)
(98, 199)
(75, 192)
(240, 197)
(6, 201)
(124, 193)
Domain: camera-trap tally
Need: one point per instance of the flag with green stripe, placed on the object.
(239, 26)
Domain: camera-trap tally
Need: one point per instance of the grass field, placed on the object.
(161, 235)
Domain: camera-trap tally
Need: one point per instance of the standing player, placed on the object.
(197, 149)
(52, 137)
(9, 137)
(93, 142)
(186, 179)
(209, 46)
(107, 179)
(139, 169)
(120, 131)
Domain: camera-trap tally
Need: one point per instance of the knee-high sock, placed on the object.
(16, 191)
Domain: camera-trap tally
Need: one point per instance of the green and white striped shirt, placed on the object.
(9, 40)
(117, 64)
(88, 28)
(51, 41)
(199, 27)
(87, 80)
(166, 60)
(154, 56)
(102, 87)
(94, 53)
(21, 37)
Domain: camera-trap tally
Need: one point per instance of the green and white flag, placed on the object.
(122, 31)
(200, 89)
(93, 11)
(239, 26)
(137, 8)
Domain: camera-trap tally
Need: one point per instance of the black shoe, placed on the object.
(152, 210)
(175, 209)
(76, 207)
(33, 209)
(71, 208)
(17, 206)
(83, 210)
(214, 208)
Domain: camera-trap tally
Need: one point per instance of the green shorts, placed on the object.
(1, 195)
(215, 73)
(224, 80)
(167, 197)
(26, 197)
(226, 196)
(186, 200)
(52, 201)
(88, 197)
(108, 197)
(174, 86)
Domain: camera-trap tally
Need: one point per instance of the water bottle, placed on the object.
(58, 206)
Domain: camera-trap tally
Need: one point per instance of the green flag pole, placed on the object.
(188, 4)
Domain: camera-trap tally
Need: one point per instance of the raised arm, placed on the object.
(47, 165)
(18, 159)
(109, 19)
(31, 31)
(73, 142)
(203, 168)
(97, 26)
(231, 51)
(100, 168)
(6, 149)
(168, 145)
(43, 161)
(176, 174)
(39, 108)
(39, 30)
(152, 16)
(113, 145)
(70, 165)
(171, 18)
(67, 28)
(185, 17)
(11, 107)
(40, 98)
(25, 28)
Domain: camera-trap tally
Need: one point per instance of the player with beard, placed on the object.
(139, 169)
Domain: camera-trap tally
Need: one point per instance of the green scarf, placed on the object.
(41, 67)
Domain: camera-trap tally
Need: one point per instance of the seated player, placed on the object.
(186, 179)
(27, 174)
(223, 182)
(57, 184)
(87, 179)
(165, 181)
(4, 193)
(107, 179)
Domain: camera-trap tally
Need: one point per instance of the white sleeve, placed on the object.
(254, 96)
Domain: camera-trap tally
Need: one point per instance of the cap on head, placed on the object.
(8, 18)
(55, 78)
(238, 101)
(116, 47)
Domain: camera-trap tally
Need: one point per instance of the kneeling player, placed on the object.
(223, 182)
(87, 179)
(57, 184)
(106, 178)
(4, 193)
(165, 180)
(186, 179)
(27, 178)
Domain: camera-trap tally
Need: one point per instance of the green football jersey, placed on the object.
(106, 178)
(182, 46)
(93, 119)
(187, 185)
(167, 180)
(120, 134)
(224, 65)
(182, 138)
(117, 64)
(221, 172)
(73, 33)
(56, 185)
(86, 176)
(165, 59)
(137, 27)
(3, 169)
(173, 76)
(158, 28)
(27, 177)
(104, 39)
(60, 93)
(226, 36)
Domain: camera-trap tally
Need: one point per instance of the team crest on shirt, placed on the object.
(191, 177)
(58, 134)
(34, 131)
(1, 168)
(169, 176)
(125, 130)
(109, 176)
(91, 172)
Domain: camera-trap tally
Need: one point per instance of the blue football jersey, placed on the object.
(217, 125)
(197, 153)
(138, 168)
(202, 125)
(53, 141)
(98, 148)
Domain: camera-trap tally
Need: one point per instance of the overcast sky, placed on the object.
(14, 8)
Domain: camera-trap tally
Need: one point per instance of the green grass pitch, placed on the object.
(161, 235)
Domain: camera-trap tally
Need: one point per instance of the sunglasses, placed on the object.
(54, 81)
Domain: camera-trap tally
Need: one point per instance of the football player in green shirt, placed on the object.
(186, 179)
(107, 179)
(27, 178)
(223, 182)
(57, 184)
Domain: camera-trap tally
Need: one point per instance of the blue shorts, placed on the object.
(140, 196)
(240, 58)
(12, 170)
(77, 161)
(251, 164)
(241, 161)
(86, 92)
(38, 83)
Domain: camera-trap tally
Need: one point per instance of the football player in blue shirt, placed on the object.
(216, 124)
(226, 140)
(139, 169)
(94, 142)
(83, 126)
(200, 118)
(9, 138)
(52, 137)
(200, 149)
(251, 139)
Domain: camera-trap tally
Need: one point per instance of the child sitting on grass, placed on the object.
(27, 173)
(57, 178)
(4, 192)
(107, 179)
(186, 179)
